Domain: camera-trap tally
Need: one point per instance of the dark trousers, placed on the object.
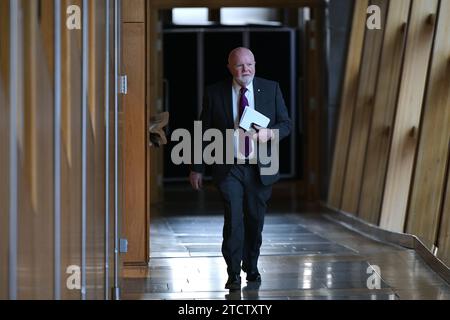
(245, 199)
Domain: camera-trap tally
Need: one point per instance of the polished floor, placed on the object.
(305, 255)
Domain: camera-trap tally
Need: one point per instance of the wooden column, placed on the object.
(362, 113)
(409, 107)
(431, 163)
(347, 103)
(384, 110)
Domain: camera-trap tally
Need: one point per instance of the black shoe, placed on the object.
(233, 283)
(254, 277)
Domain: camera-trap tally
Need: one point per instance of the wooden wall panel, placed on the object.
(35, 126)
(362, 112)
(93, 43)
(31, 98)
(429, 177)
(404, 139)
(35, 220)
(29, 163)
(444, 232)
(43, 243)
(133, 11)
(4, 146)
(350, 85)
(384, 110)
(134, 144)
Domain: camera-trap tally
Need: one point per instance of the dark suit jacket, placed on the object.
(218, 113)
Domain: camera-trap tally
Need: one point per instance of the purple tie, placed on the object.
(243, 102)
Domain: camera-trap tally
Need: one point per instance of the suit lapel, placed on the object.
(259, 95)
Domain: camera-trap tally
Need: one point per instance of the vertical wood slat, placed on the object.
(347, 103)
(91, 155)
(92, 74)
(43, 222)
(35, 127)
(25, 230)
(404, 139)
(429, 177)
(384, 110)
(66, 87)
(14, 49)
(444, 232)
(134, 143)
(57, 152)
(362, 112)
(31, 98)
(84, 151)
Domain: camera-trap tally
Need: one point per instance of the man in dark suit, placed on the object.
(245, 189)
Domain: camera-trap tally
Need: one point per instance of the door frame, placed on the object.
(314, 99)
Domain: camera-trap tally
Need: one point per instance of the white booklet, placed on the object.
(250, 117)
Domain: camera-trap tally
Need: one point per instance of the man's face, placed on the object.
(242, 66)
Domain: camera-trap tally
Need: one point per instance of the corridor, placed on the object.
(95, 205)
(305, 255)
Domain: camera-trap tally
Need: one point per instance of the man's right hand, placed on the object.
(196, 180)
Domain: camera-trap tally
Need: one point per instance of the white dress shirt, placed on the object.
(236, 95)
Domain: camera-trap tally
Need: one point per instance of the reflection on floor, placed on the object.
(304, 256)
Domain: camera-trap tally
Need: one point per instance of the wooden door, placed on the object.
(133, 131)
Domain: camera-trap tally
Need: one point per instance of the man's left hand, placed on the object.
(263, 134)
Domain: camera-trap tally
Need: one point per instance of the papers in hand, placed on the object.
(250, 117)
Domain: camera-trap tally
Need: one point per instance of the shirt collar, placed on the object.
(237, 87)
